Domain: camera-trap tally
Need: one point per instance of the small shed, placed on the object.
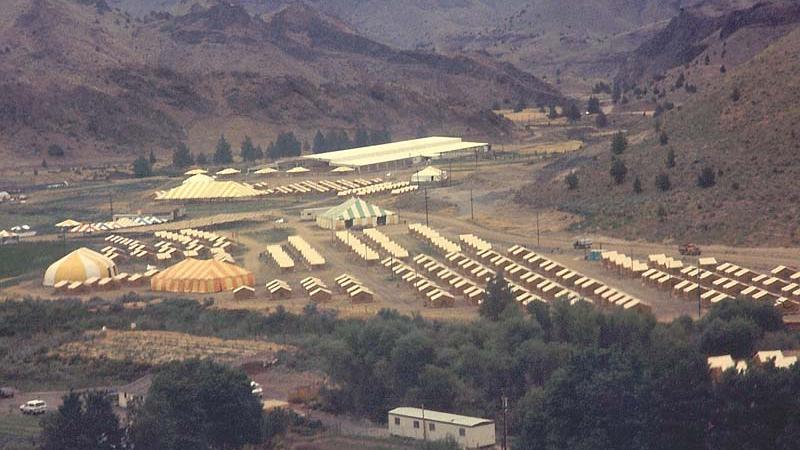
(244, 293)
(279, 289)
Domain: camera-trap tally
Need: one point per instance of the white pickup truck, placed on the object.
(33, 407)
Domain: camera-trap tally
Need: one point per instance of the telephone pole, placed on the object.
(426, 207)
(111, 204)
(471, 206)
(505, 420)
(538, 244)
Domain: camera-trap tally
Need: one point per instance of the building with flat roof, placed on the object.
(423, 424)
(400, 154)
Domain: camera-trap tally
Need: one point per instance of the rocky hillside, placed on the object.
(741, 125)
(99, 82)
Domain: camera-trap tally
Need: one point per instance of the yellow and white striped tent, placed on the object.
(355, 213)
(201, 276)
(79, 265)
(209, 190)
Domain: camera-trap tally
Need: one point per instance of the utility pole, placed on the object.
(111, 204)
(424, 430)
(699, 307)
(505, 420)
(471, 205)
(538, 244)
(426, 207)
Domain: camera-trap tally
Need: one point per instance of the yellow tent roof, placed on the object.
(196, 172)
(209, 190)
(7, 234)
(69, 223)
(298, 169)
(341, 169)
(198, 178)
(229, 171)
(265, 171)
(201, 276)
(79, 265)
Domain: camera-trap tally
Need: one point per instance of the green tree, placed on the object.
(55, 151)
(197, 404)
(380, 137)
(223, 154)
(361, 138)
(601, 121)
(498, 296)
(82, 422)
(619, 143)
(319, 145)
(670, 159)
(593, 105)
(285, 145)
(519, 106)
(637, 185)
(552, 113)
(573, 113)
(707, 178)
(44, 163)
(617, 92)
(181, 156)
(663, 139)
(153, 159)
(736, 337)
(142, 168)
(571, 180)
(201, 159)
(662, 182)
(248, 150)
(618, 170)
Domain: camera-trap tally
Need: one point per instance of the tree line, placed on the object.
(575, 376)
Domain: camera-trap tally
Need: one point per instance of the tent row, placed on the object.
(481, 274)
(361, 249)
(470, 290)
(431, 293)
(575, 282)
(316, 289)
(432, 237)
(98, 284)
(540, 288)
(280, 257)
(379, 188)
(278, 290)
(404, 189)
(624, 265)
(310, 255)
(317, 186)
(389, 246)
(354, 289)
(474, 243)
(720, 364)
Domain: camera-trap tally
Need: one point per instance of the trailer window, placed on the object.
(432, 426)
(416, 424)
(397, 421)
(462, 432)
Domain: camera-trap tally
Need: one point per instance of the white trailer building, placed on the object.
(423, 424)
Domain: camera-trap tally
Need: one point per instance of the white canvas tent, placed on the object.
(429, 174)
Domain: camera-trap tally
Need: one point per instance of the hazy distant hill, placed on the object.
(584, 37)
(96, 81)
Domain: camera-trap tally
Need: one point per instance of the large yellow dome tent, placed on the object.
(79, 265)
(201, 276)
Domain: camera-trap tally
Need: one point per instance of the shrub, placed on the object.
(571, 180)
(707, 178)
(662, 182)
(55, 150)
(618, 170)
(619, 143)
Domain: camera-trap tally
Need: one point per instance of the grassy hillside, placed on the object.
(743, 126)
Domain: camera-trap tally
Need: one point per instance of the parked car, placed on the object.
(689, 250)
(33, 407)
(7, 392)
(257, 390)
(582, 244)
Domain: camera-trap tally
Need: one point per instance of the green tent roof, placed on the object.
(355, 208)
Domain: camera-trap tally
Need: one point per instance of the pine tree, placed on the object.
(361, 138)
(706, 178)
(498, 297)
(44, 163)
(601, 121)
(618, 170)
(201, 159)
(152, 158)
(662, 182)
(617, 92)
(223, 154)
(637, 186)
(663, 139)
(670, 159)
(248, 150)
(571, 180)
(181, 156)
(619, 143)
(573, 113)
(319, 145)
(593, 105)
(142, 168)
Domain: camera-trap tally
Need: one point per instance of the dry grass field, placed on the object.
(531, 116)
(159, 347)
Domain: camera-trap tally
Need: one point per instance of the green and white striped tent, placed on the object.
(355, 213)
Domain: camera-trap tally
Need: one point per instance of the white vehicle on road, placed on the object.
(33, 407)
(257, 390)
